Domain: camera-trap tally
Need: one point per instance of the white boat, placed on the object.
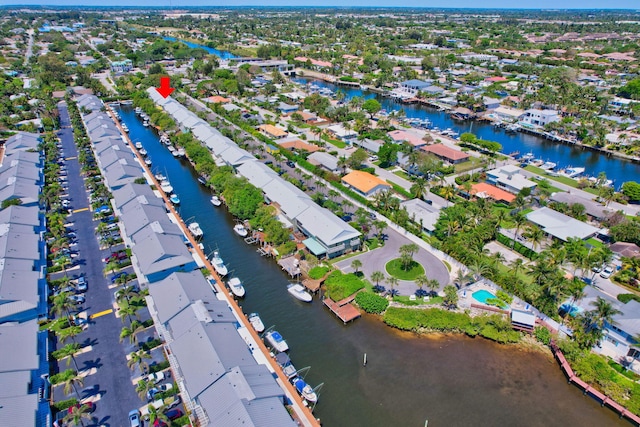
(287, 367)
(181, 152)
(195, 229)
(138, 110)
(143, 152)
(236, 287)
(166, 186)
(215, 200)
(298, 291)
(256, 322)
(174, 153)
(305, 390)
(139, 145)
(275, 340)
(175, 199)
(218, 264)
(240, 230)
(572, 172)
(171, 148)
(147, 161)
(145, 124)
(548, 166)
(160, 177)
(125, 128)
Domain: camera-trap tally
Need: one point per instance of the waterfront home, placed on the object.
(159, 255)
(448, 154)
(286, 108)
(483, 190)
(539, 118)
(400, 136)
(593, 209)
(508, 114)
(273, 132)
(365, 183)
(118, 174)
(325, 160)
(412, 87)
(510, 178)
(298, 145)
(213, 365)
(340, 132)
(21, 141)
(561, 226)
(620, 104)
(89, 102)
(422, 213)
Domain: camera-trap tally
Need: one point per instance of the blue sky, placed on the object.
(534, 4)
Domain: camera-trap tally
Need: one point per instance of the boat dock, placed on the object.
(587, 389)
(343, 308)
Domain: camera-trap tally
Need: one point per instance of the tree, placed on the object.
(377, 277)
(603, 312)
(450, 297)
(388, 154)
(139, 359)
(69, 351)
(419, 188)
(143, 387)
(72, 384)
(356, 264)
(393, 282)
(519, 220)
(371, 106)
(357, 158)
(131, 332)
(406, 254)
(63, 304)
(77, 413)
(535, 235)
(421, 280)
(70, 332)
(631, 189)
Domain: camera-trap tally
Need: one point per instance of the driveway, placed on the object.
(376, 260)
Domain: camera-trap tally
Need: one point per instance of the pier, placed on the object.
(343, 308)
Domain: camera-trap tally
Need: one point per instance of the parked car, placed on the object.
(291, 164)
(174, 414)
(103, 209)
(68, 289)
(134, 418)
(81, 286)
(156, 377)
(78, 299)
(607, 272)
(159, 389)
(116, 276)
(119, 256)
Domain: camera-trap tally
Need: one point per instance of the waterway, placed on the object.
(449, 380)
(222, 54)
(564, 155)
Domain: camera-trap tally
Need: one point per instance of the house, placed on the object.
(445, 153)
(561, 226)
(509, 178)
(343, 134)
(399, 136)
(273, 132)
(122, 66)
(487, 191)
(523, 320)
(414, 86)
(508, 114)
(371, 145)
(298, 145)
(159, 255)
(365, 183)
(217, 99)
(539, 118)
(625, 249)
(307, 117)
(324, 160)
(286, 108)
(422, 213)
(620, 104)
(593, 209)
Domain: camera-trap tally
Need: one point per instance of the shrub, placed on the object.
(62, 376)
(625, 298)
(318, 272)
(371, 303)
(158, 367)
(542, 334)
(340, 286)
(146, 346)
(64, 404)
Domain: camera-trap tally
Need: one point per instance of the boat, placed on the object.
(145, 124)
(160, 177)
(139, 145)
(125, 128)
(138, 110)
(147, 161)
(256, 322)
(202, 180)
(236, 287)
(282, 359)
(171, 148)
(298, 291)
(571, 172)
(195, 229)
(181, 152)
(174, 153)
(215, 200)
(143, 152)
(175, 199)
(548, 166)
(275, 340)
(240, 230)
(166, 186)
(218, 264)
(305, 390)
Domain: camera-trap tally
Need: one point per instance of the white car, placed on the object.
(607, 272)
(156, 377)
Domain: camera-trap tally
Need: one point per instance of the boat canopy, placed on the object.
(314, 246)
(282, 359)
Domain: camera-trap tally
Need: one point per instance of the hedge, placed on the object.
(625, 298)
(158, 367)
(62, 376)
(371, 303)
(519, 247)
(340, 286)
(64, 404)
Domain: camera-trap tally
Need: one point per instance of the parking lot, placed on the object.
(102, 362)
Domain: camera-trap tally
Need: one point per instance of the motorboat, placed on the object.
(275, 340)
(174, 153)
(139, 145)
(171, 148)
(572, 172)
(143, 152)
(202, 180)
(125, 127)
(305, 390)
(240, 230)
(282, 359)
(236, 287)
(138, 110)
(256, 322)
(181, 152)
(195, 229)
(145, 123)
(175, 199)
(160, 177)
(147, 161)
(166, 186)
(215, 200)
(218, 264)
(298, 291)
(548, 166)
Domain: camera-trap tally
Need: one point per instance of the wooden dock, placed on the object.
(587, 389)
(343, 308)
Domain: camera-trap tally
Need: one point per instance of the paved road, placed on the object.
(29, 52)
(112, 378)
(375, 261)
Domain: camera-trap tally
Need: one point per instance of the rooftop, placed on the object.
(364, 181)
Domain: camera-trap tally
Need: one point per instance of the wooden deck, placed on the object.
(312, 285)
(343, 308)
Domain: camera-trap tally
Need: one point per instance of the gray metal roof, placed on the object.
(110, 156)
(141, 193)
(180, 290)
(560, 225)
(290, 198)
(137, 216)
(325, 159)
(18, 410)
(20, 169)
(107, 143)
(22, 141)
(23, 157)
(25, 215)
(257, 173)
(103, 131)
(234, 156)
(421, 210)
(592, 208)
(21, 338)
(325, 226)
(629, 320)
(118, 174)
(160, 252)
(17, 241)
(90, 102)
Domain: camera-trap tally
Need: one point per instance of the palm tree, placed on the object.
(421, 280)
(356, 264)
(157, 414)
(72, 384)
(132, 332)
(127, 293)
(603, 312)
(516, 266)
(519, 220)
(346, 204)
(433, 284)
(393, 282)
(138, 360)
(419, 188)
(127, 312)
(143, 388)
(450, 297)
(535, 235)
(69, 351)
(77, 413)
(70, 332)
(377, 276)
(62, 304)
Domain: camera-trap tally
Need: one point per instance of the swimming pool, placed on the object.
(482, 296)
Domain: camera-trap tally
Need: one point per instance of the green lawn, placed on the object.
(394, 268)
(472, 163)
(561, 179)
(595, 242)
(335, 142)
(506, 222)
(402, 174)
(404, 300)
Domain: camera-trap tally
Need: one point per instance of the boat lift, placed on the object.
(302, 373)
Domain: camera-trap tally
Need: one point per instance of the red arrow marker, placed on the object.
(165, 88)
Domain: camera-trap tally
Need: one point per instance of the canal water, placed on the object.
(222, 54)
(449, 380)
(564, 155)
